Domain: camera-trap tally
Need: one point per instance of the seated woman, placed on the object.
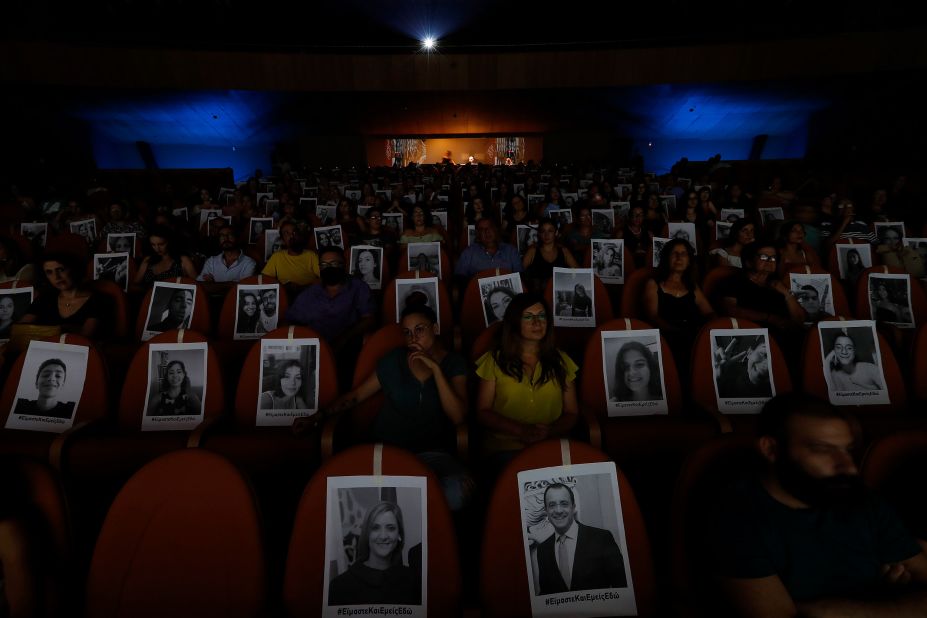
(793, 250)
(673, 301)
(377, 575)
(526, 391)
(637, 238)
(541, 259)
(517, 214)
(582, 232)
(420, 231)
(425, 389)
(166, 261)
(64, 300)
(757, 294)
(729, 253)
(174, 397)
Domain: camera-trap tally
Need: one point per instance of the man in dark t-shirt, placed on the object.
(806, 538)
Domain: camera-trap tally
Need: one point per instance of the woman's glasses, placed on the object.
(534, 317)
(418, 331)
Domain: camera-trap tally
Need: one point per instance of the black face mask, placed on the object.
(840, 490)
(333, 275)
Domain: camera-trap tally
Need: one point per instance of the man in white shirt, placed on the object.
(268, 309)
(231, 265)
(576, 556)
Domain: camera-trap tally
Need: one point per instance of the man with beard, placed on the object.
(229, 266)
(295, 265)
(806, 538)
(340, 309)
(268, 310)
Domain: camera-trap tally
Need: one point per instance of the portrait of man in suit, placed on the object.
(576, 556)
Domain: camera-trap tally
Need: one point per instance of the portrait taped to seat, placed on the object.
(376, 544)
(256, 310)
(890, 299)
(496, 293)
(329, 236)
(852, 363)
(112, 267)
(813, 293)
(122, 243)
(176, 386)
(170, 308)
(574, 297)
(632, 365)
(742, 369)
(14, 304)
(608, 260)
(289, 381)
(367, 265)
(417, 291)
(574, 540)
(424, 257)
(49, 388)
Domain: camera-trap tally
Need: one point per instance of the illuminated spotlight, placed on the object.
(429, 43)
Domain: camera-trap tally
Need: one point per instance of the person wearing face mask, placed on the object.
(339, 308)
(799, 535)
(232, 264)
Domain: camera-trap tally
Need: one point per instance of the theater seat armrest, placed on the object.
(58, 445)
(462, 432)
(332, 426)
(198, 435)
(593, 426)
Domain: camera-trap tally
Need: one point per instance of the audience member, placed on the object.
(793, 250)
(487, 252)
(757, 294)
(295, 265)
(420, 230)
(166, 261)
(13, 267)
(541, 259)
(729, 253)
(232, 264)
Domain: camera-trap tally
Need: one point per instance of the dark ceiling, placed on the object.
(376, 26)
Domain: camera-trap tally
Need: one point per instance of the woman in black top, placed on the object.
(64, 300)
(756, 293)
(541, 259)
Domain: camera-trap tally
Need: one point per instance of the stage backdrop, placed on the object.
(486, 150)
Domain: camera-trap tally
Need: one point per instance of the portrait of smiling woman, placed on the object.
(288, 387)
(378, 574)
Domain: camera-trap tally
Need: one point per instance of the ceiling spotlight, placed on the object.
(428, 43)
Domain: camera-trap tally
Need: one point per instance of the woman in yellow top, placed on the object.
(527, 391)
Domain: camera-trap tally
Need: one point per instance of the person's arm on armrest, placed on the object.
(367, 389)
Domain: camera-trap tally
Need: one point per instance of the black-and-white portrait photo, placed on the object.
(561, 217)
(574, 297)
(891, 234)
(113, 267)
(603, 221)
(768, 215)
(534, 199)
(730, 215)
(176, 386)
(439, 218)
(271, 207)
(36, 233)
(852, 260)
(632, 366)
(49, 388)
(260, 201)
(329, 236)
(121, 243)
(376, 544)
(214, 224)
(424, 257)
(415, 292)
(813, 293)
(272, 243)
(181, 213)
(289, 381)
(256, 311)
(496, 294)
(352, 194)
(170, 308)
(919, 245)
(742, 369)
(622, 209)
(658, 249)
(608, 260)
(257, 228)
(526, 236)
(570, 199)
(722, 230)
(668, 205)
(890, 299)
(394, 221)
(623, 191)
(366, 265)
(684, 231)
(851, 362)
(86, 229)
(206, 214)
(14, 303)
(326, 214)
(574, 539)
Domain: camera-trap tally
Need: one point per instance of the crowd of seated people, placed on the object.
(525, 385)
